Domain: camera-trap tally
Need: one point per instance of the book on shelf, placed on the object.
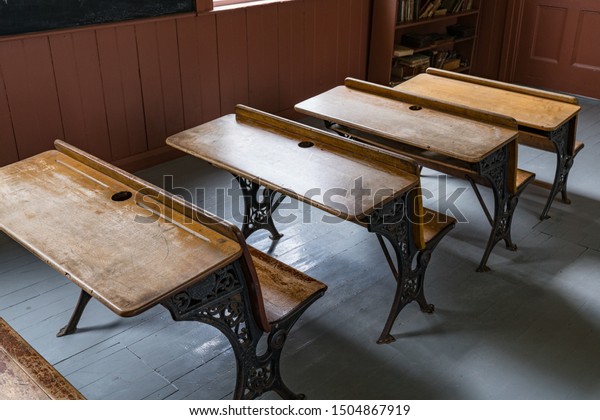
(415, 60)
(402, 51)
(409, 66)
(449, 5)
(408, 10)
(458, 6)
(432, 7)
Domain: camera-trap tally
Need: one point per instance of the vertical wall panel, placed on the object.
(344, 32)
(161, 80)
(353, 35)
(488, 49)
(310, 65)
(120, 72)
(233, 59)
(79, 86)
(361, 20)
(8, 145)
(199, 69)
(293, 66)
(31, 91)
(263, 60)
(326, 48)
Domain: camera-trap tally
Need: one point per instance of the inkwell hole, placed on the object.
(121, 196)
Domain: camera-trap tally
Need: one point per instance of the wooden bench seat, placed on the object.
(284, 289)
(523, 179)
(435, 225)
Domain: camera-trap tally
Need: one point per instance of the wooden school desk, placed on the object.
(546, 120)
(447, 138)
(25, 375)
(290, 159)
(132, 246)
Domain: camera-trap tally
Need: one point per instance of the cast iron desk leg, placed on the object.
(495, 169)
(258, 208)
(82, 302)
(223, 301)
(564, 162)
(391, 222)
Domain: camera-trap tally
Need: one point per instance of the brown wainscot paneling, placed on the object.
(28, 71)
(198, 56)
(120, 74)
(118, 90)
(80, 93)
(161, 80)
(232, 41)
(7, 136)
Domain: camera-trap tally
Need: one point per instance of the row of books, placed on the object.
(410, 10)
(406, 67)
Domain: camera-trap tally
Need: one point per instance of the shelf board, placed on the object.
(450, 42)
(433, 19)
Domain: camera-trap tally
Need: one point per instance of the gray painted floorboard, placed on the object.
(529, 329)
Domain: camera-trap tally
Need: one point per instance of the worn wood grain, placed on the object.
(284, 288)
(254, 147)
(367, 109)
(106, 247)
(530, 107)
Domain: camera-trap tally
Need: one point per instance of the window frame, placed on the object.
(219, 3)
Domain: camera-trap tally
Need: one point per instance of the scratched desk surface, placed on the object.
(402, 121)
(529, 110)
(270, 151)
(128, 254)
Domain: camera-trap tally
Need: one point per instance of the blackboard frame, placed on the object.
(25, 16)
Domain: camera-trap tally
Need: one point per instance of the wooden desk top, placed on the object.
(530, 107)
(128, 254)
(25, 375)
(389, 114)
(265, 149)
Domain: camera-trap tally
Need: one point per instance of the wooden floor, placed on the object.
(529, 329)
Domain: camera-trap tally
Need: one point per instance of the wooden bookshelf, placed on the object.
(387, 31)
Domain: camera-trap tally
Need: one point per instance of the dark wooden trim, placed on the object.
(383, 23)
(512, 37)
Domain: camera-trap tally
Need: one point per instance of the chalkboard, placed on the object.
(20, 16)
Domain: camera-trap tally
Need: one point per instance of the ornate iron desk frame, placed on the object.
(221, 300)
(392, 222)
(494, 169)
